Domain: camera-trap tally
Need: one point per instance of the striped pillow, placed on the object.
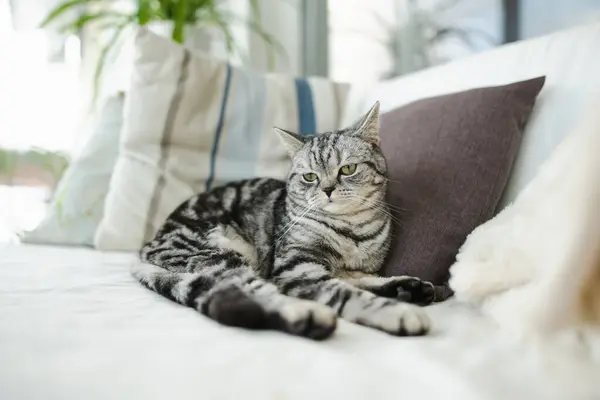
(192, 123)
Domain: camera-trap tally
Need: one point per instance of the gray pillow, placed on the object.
(449, 159)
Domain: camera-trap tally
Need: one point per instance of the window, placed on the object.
(40, 100)
(381, 39)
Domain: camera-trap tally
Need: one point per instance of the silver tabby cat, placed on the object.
(292, 256)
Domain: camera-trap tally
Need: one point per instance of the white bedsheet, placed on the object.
(75, 325)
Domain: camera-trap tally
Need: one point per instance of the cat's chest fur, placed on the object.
(351, 254)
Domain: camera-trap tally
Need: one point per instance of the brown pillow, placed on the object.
(449, 159)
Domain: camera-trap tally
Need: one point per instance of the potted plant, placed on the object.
(76, 15)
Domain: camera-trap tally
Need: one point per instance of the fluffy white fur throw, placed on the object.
(535, 267)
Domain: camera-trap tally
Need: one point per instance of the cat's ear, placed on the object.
(368, 126)
(291, 141)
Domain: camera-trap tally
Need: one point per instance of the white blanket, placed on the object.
(75, 325)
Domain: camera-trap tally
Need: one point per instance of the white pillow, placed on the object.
(526, 266)
(78, 205)
(192, 123)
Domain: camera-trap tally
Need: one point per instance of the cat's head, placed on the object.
(338, 172)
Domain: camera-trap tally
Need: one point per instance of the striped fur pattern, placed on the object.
(292, 256)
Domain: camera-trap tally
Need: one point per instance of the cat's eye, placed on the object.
(310, 177)
(348, 169)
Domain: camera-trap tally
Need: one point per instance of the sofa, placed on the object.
(74, 324)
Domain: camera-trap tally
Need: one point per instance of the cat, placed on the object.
(292, 256)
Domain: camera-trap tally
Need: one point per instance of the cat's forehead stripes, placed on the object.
(324, 152)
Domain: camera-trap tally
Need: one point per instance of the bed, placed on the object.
(75, 325)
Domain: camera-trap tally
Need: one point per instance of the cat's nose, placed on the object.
(328, 191)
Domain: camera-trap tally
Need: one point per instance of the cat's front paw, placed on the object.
(407, 289)
(399, 319)
(306, 318)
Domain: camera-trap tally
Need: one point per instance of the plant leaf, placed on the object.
(218, 19)
(64, 7)
(179, 21)
(273, 47)
(255, 8)
(83, 20)
(144, 11)
(102, 56)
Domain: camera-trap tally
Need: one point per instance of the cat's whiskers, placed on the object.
(367, 200)
(386, 204)
(393, 181)
(378, 205)
(389, 215)
(392, 207)
(296, 219)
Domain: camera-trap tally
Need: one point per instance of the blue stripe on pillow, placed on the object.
(215, 148)
(240, 147)
(306, 110)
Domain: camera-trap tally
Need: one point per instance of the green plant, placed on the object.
(182, 13)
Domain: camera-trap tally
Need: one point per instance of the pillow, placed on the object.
(193, 123)
(78, 204)
(449, 159)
